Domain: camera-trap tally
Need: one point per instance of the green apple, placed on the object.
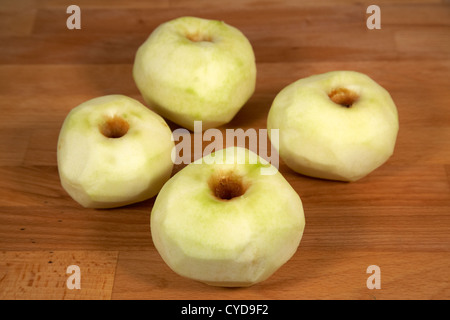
(113, 151)
(221, 222)
(339, 125)
(196, 69)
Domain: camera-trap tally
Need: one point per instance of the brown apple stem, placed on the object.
(343, 97)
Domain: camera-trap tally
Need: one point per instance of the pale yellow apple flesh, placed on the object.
(113, 151)
(226, 224)
(196, 69)
(339, 125)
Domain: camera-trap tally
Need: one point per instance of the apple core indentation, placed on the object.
(199, 37)
(227, 185)
(343, 97)
(114, 127)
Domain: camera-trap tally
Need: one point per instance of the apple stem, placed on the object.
(343, 97)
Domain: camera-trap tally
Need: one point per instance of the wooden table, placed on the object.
(397, 218)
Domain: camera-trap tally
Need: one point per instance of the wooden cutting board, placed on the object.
(397, 218)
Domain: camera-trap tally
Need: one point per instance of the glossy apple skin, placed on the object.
(236, 242)
(186, 80)
(101, 172)
(322, 139)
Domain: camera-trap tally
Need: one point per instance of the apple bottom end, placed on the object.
(227, 284)
(326, 173)
(319, 174)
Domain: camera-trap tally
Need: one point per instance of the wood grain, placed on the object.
(398, 217)
(38, 274)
